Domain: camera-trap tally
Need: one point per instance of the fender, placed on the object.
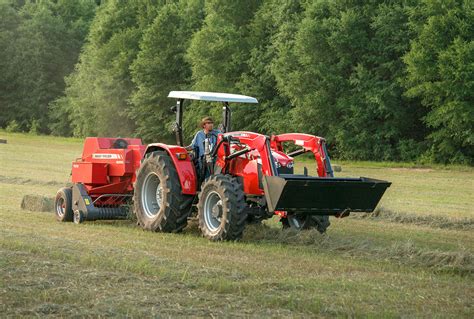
(184, 167)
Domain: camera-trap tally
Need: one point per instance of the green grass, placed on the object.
(422, 191)
(361, 267)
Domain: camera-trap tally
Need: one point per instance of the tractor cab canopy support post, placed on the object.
(205, 96)
(179, 122)
(226, 114)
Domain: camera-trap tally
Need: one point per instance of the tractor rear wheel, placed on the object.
(303, 221)
(221, 208)
(63, 205)
(158, 201)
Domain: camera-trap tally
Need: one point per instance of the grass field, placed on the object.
(414, 259)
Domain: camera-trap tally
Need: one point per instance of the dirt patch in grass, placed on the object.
(403, 252)
(383, 214)
(193, 226)
(37, 203)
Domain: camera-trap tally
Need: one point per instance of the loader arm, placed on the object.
(253, 141)
(308, 143)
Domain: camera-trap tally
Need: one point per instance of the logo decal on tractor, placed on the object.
(106, 156)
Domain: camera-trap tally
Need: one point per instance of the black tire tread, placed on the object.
(66, 193)
(234, 199)
(320, 222)
(178, 205)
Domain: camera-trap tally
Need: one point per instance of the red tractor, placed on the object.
(245, 177)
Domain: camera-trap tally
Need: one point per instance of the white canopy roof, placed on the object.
(212, 96)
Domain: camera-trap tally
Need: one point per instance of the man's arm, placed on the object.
(198, 143)
(191, 146)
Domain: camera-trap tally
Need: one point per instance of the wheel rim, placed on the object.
(297, 221)
(77, 217)
(60, 207)
(152, 195)
(213, 211)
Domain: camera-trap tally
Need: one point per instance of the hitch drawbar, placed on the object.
(322, 196)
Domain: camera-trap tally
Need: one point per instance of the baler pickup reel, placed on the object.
(87, 208)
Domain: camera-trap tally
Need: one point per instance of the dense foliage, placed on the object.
(39, 44)
(381, 80)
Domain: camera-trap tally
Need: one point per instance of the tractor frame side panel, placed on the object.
(185, 168)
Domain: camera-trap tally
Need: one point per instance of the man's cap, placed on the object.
(207, 119)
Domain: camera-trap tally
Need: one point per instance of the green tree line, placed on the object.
(380, 80)
(40, 42)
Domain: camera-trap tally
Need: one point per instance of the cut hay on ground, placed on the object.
(383, 214)
(28, 181)
(37, 203)
(403, 252)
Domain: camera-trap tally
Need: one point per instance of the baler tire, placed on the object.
(63, 205)
(172, 215)
(78, 217)
(233, 216)
(319, 222)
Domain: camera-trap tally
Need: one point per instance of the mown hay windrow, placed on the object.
(27, 181)
(37, 203)
(422, 220)
(403, 251)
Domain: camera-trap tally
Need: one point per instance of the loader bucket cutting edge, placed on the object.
(323, 196)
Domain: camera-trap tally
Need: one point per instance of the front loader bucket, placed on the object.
(323, 196)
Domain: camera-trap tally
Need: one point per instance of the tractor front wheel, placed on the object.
(303, 221)
(221, 208)
(158, 201)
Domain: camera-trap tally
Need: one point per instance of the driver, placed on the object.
(208, 131)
